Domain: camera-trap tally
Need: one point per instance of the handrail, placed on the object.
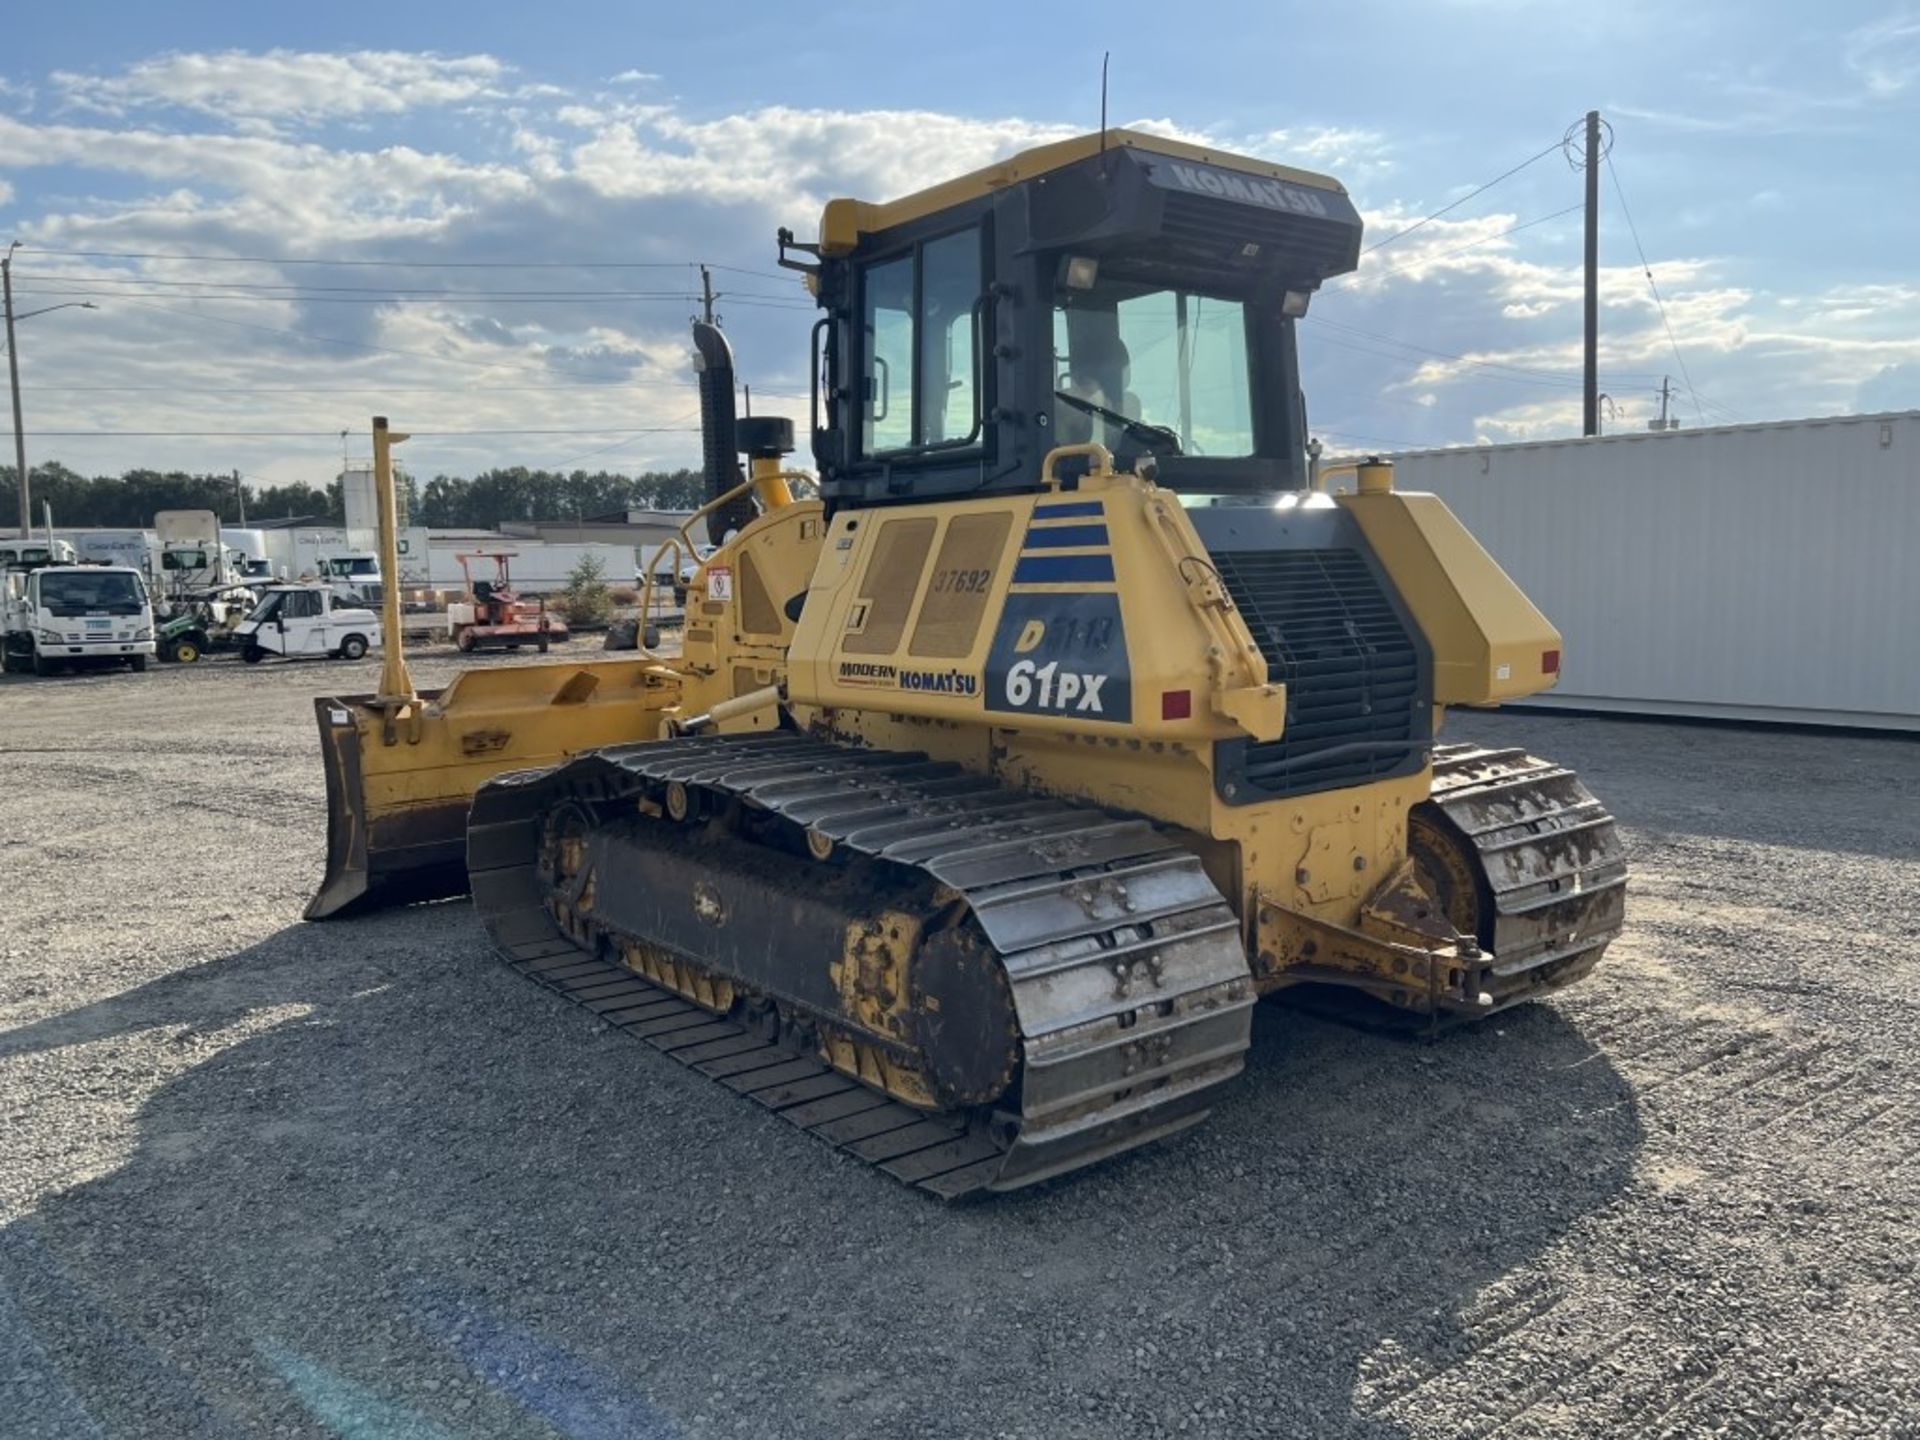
(682, 546)
(1321, 474)
(1102, 456)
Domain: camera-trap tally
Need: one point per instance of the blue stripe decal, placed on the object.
(1065, 537)
(1061, 510)
(1062, 569)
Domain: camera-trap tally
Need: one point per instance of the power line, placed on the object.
(176, 310)
(1379, 354)
(401, 264)
(618, 444)
(335, 434)
(1614, 171)
(1727, 413)
(1445, 209)
(1556, 377)
(302, 290)
(320, 289)
(1447, 254)
(764, 302)
(747, 270)
(1371, 439)
(390, 389)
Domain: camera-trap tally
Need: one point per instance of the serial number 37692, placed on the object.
(961, 582)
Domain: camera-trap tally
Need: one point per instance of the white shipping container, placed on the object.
(536, 568)
(1758, 572)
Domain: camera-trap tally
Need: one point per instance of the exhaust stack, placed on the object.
(719, 447)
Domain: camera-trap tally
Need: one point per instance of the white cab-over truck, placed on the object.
(60, 616)
(26, 554)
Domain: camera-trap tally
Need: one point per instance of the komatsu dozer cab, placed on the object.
(990, 789)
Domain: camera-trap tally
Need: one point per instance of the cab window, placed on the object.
(921, 344)
(1173, 360)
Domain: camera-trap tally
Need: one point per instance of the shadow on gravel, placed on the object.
(437, 1201)
(1846, 791)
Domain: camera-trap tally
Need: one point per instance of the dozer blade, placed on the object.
(398, 788)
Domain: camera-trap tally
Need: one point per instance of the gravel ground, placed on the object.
(266, 1178)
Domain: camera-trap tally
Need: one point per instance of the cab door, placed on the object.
(303, 623)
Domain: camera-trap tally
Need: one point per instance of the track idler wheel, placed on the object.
(963, 1017)
(1448, 869)
(563, 848)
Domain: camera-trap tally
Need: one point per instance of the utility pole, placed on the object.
(706, 295)
(1592, 389)
(1666, 397)
(240, 494)
(13, 372)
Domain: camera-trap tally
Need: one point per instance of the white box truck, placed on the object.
(138, 549)
(58, 616)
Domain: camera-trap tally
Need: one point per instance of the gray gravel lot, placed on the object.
(259, 1177)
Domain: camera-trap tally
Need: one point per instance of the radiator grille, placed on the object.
(1356, 710)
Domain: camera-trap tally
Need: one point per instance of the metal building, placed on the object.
(1755, 572)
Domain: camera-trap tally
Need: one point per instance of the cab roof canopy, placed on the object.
(1192, 212)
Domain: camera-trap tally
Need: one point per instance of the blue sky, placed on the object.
(1766, 150)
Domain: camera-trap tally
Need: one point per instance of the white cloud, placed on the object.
(632, 77)
(1534, 420)
(1893, 387)
(6, 193)
(791, 157)
(607, 179)
(288, 84)
(299, 188)
(1350, 153)
(1886, 54)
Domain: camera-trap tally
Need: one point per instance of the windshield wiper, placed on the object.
(1151, 435)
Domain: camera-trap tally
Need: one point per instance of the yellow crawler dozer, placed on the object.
(989, 790)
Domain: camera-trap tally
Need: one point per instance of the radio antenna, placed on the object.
(1105, 55)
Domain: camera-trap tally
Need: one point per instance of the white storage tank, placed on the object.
(1754, 572)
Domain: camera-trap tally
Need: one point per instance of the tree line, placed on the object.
(128, 501)
(517, 493)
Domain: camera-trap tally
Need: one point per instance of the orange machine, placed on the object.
(493, 614)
